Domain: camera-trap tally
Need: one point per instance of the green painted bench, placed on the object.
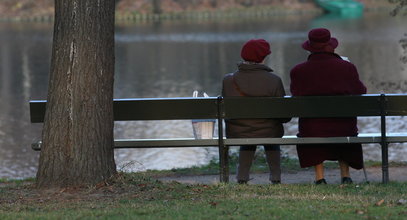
(220, 108)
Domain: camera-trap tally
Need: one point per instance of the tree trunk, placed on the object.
(214, 3)
(78, 128)
(157, 7)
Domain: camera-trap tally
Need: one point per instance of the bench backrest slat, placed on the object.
(396, 105)
(165, 109)
(148, 109)
(243, 107)
(305, 106)
(37, 111)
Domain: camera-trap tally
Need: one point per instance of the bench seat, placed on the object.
(286, 140)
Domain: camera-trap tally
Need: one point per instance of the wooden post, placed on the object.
(223, 150)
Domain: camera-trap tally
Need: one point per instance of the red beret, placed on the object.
(255, 50)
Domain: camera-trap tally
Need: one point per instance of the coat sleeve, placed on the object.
(224, 85)
(357, 86)
(280, 92)
(294, 85)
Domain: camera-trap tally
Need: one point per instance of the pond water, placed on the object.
(174, 58)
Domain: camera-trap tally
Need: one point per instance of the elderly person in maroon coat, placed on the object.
(254, 78)
(326, 73)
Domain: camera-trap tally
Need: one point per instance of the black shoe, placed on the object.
(242, 181)
(346, 180)
(275, 182)
(320, 181)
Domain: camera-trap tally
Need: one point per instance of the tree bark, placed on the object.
(78, 129)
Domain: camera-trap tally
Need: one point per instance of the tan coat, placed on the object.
(253, 80)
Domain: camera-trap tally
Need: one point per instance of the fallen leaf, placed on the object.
(109, 189)
(135, 196)
(379, 203)
(197, 190)
(213, 204)
(100, 185)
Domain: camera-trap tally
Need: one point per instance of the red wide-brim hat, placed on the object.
(318, 39)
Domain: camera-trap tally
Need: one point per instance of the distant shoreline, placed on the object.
(184, 15)
(124, 14)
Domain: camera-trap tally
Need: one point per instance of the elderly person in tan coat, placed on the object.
(255, 79)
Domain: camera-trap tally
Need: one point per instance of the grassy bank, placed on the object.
(139, 196)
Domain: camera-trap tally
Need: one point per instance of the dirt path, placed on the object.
(374, 174)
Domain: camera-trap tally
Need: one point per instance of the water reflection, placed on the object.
(172, 59)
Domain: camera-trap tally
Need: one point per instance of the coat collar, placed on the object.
(253, 66)
(323, 55)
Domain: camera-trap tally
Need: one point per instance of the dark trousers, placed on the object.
(246, 156)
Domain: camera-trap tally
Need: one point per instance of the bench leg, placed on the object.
(384, 144)
(385, 163)
(224, 163)
(223, 149)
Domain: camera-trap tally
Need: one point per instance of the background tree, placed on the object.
(157, 6)
(401, 8)
(400, 5)
(78, 128)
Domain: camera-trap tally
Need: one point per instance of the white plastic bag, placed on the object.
(203, 128)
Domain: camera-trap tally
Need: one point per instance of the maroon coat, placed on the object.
(327, 74)
(253, 80)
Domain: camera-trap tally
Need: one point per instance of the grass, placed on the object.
(259, 165)
(140, 196)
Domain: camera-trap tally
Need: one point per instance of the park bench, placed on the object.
(220, 108)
